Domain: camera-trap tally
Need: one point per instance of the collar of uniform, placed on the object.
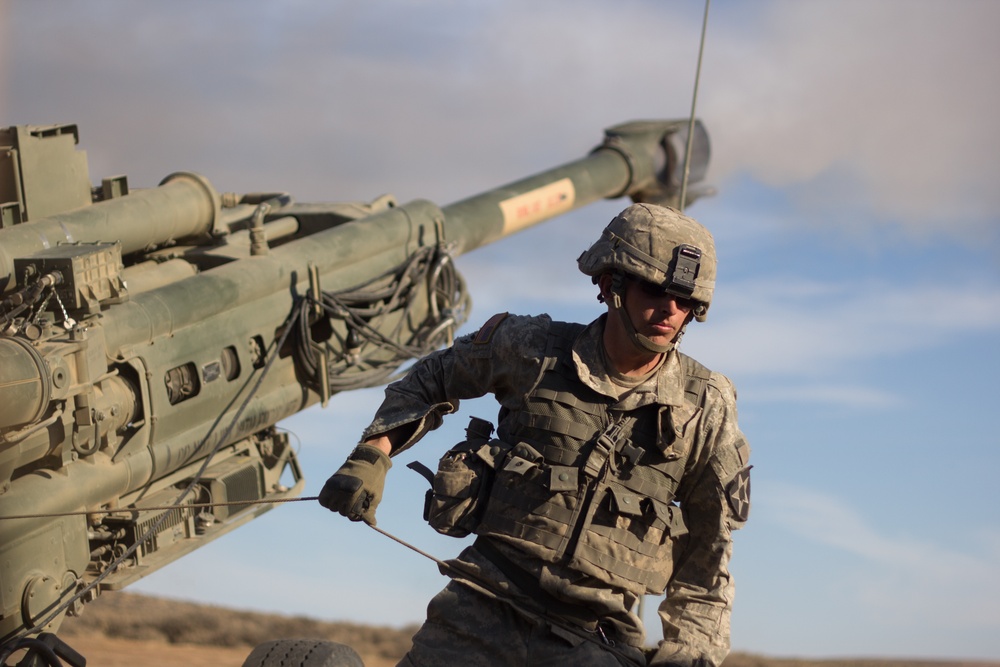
(589, 363)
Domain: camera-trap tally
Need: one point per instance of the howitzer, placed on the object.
(150, 341)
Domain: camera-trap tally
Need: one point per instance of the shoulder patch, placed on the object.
(485, 333)
(738, 494)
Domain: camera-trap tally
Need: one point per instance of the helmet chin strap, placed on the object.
(637, 339)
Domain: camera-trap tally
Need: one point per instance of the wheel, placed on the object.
(303, 653)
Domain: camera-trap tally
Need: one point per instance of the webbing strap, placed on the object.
(567, 427)
(569, 400)
(647, 487)
(532, 503)
(625, 538)
(648, 578)
(562, 456)
(508, 528)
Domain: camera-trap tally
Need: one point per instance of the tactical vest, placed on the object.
(588, 486)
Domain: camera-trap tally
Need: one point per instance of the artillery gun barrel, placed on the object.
(638, 159)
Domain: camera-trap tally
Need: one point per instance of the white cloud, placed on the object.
(911, 578)
(899, 94)
(793, 328)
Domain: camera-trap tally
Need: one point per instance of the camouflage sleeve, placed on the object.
(715, 500)
(502, 358)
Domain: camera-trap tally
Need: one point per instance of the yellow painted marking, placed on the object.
(540, 204)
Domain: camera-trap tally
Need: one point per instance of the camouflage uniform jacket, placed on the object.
(507, 360)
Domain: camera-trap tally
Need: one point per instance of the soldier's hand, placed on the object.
(356, 488)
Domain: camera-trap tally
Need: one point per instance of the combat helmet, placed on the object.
(659, 245)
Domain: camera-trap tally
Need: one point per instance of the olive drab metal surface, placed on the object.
(150, 340)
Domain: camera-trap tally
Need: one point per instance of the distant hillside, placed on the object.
(124, 618)
(142, 618)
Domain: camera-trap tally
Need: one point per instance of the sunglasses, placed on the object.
(657, 291)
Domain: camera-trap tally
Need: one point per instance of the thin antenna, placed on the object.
(694, 103)
(687, 169)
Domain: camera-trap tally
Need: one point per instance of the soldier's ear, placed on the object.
(604, 284)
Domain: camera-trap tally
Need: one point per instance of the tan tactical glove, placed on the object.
(356, 488)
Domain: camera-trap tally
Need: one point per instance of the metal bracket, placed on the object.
(323, 368)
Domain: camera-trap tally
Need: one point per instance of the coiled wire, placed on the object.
(372, 350)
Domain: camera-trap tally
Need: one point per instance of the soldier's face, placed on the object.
(656, 314)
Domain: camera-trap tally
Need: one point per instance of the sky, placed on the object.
(855, 154)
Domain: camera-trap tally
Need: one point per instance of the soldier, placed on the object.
(618, 469)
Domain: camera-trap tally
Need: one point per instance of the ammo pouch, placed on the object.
(461, 486)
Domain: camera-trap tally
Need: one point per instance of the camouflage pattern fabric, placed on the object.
(713, 494)
(467, 628)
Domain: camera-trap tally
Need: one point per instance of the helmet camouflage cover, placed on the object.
(659, 245)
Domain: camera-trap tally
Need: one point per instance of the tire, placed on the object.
(302, 653)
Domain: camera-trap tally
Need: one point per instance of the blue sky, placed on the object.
(855, 153)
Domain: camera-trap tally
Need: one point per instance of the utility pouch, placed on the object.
(461, 486)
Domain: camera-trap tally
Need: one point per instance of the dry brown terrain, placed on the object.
(124, 630)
